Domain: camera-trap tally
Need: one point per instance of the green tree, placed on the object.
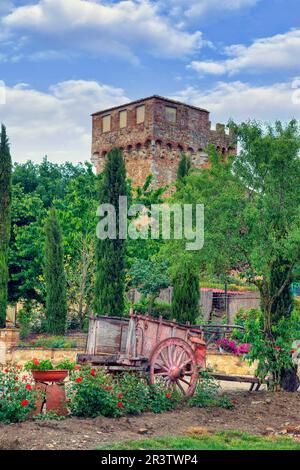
(186, 294)
(56, 302)
(26, 247)
(5, 220)
(183, 167)
(149, 277)
(252, 214)
(77, 213)
(110, 253)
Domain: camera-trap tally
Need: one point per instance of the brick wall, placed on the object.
(155, 145)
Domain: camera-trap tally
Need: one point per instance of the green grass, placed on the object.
(229, 440)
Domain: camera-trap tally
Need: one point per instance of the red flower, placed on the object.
(293, 351)
(120, 404)
(77, 368)
(234, 402)
(277, 348)
(168, 395)
(120, 395)
(6, 371)
(16, 378)
(79, 379)
(93, 373)
(107, 387)
(16, 389)
(36, 361)
(28, 387)
(24, 402)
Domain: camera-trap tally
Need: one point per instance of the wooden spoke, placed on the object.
(168, 362)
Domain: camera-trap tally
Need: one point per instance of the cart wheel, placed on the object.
(173, 361)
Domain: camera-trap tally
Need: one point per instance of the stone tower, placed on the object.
(152, 133)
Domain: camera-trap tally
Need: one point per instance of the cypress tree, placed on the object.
(5, 220)
(183, 167)
(110, 253)
(186, 294)
(56, 299)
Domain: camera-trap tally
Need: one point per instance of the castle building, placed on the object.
(152, 133)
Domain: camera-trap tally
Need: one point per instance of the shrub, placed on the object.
(159, 308)
(92, 395)
(134, 390)
(162, 399)
(229, 345)
(17, 396)
(207, 394)
(50, 342)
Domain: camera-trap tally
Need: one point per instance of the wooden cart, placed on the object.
(164, 349)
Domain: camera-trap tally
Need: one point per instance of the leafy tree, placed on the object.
(5, 220)
(149, 277)
(77, 213)
(141, 248)
(183, 167)
(110, 253)
(186, 294)
(252, 214)
(56, 302)
(26, 246)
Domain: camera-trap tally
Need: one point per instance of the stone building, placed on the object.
(152, 133)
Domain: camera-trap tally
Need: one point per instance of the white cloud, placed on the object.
(197, 8)
(242, 101)
(56, 122)
(271, 53)
(96, 26)
(5, 6)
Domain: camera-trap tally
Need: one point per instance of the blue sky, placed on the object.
(61, 60)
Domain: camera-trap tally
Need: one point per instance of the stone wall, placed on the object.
(9, 337)
(22, 355)
(221, 363)
(155, 145)
(228, 364)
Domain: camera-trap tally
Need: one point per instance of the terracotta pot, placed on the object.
(49, 375)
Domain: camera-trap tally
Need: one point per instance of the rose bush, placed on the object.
(93, 392)
(17, 395)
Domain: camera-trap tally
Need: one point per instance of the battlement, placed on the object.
(152, 133)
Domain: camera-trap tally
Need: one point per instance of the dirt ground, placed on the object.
(257, 413)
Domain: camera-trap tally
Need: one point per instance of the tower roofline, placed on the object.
(169, 100)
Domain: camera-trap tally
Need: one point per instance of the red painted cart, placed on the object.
(166, 350)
